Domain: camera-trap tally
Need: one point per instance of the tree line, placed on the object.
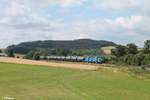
(130, 55)
(35, 54)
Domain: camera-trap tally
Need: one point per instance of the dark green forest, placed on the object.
(55, 46)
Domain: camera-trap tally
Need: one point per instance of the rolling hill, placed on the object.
(60, 44)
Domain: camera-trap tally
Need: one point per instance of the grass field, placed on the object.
(28, 82)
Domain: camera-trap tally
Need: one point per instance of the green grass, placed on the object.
(26, 82)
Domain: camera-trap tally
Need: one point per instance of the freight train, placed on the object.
(98, 59)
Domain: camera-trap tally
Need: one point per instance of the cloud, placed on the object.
(133, 6)
(23, 20)
(116, 4)
(61, 3)
(121, 30)
(20, 22)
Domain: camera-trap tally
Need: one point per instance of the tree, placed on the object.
(30, 55)
(147, 46)
(119, 51)
(63, 52)
(132, 49)
(113, 51)
(36, 56)
(66, 52)
(138, 59)
(10, 53)
(146, 60)
(0, 51)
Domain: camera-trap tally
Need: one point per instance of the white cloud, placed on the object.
(121, 30)
(133, 6)
(61, 3)
(21, 20)
(116, 4)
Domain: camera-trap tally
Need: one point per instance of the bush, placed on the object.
(130, 59)
(138, 59)
(126, 59)
(110, 59)
(146, 60)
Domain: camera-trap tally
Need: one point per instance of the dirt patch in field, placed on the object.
(51, 64)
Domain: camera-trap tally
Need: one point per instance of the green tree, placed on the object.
(147, 46)
(146, 60)
(63, 52)
(30, 55)
(132, 48)
(113, 51)
(0, 51)
(127, 59)
(10, 53)
(36, 56)
(138, 59)
(119, 51)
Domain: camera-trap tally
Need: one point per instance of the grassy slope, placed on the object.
(25, 82)
(107, 50)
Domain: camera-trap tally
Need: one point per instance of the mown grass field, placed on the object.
(26, 82)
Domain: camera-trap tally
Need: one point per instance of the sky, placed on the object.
(120, 21)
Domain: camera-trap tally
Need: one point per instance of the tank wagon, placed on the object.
(98, 59)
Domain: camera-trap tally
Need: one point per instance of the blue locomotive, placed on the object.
(97, 60)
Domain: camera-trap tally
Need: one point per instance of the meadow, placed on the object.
(29, 82)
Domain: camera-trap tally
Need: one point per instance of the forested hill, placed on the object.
(57, 44)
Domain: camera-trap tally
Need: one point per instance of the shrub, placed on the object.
(127, 59)
(138, 59)
(146, 60)
(110, 59)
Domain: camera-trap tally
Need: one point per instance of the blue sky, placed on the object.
(120, 21)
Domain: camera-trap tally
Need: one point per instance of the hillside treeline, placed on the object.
(56, 46)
